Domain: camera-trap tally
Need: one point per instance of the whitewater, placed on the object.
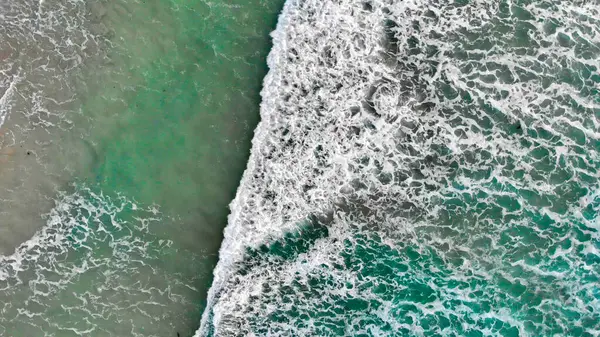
(420, 168)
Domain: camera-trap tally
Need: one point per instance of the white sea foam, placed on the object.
(6, 97)
(94, 263)
(43, 267)
(43, 48)
(379, 117)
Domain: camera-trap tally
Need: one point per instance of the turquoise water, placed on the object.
(126, 129)
(420, 169)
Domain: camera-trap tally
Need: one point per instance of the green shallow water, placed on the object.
(186, 110)
(158, 136)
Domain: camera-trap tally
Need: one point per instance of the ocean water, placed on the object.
(126, 126)
(421, 168)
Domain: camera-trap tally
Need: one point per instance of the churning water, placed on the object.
(421, 168)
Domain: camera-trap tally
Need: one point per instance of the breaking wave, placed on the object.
(421, 168)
